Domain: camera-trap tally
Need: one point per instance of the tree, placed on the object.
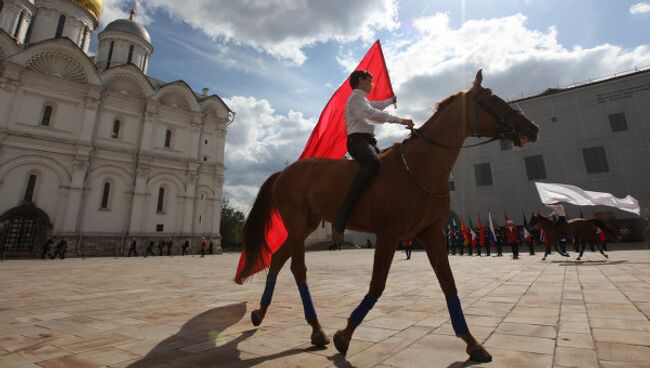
(232, 222)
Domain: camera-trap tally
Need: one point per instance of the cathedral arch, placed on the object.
(207, 190)
(37, 161)
(127, 79)
(155, 180)
(61, 58)
(178, 95)
(112, 171)
(215, 107)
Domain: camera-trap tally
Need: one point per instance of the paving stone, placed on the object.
(186, 312)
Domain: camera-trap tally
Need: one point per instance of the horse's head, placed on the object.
(494, 117)
(534, 220)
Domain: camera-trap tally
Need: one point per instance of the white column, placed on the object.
(139, 195)
(89, 112)
(74, 196)
(190, 193)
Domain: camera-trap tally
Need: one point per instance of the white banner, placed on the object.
(553, 193)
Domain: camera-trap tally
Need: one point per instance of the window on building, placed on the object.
(160, 228)
(168, 138)
(483, 174)
(28, 36)
(84, 36)
(145, 62)
(60, 26)
(130, 57)
(106, 191)
(535, 169)
(505, 145)
(110, 54)
(595, 160)
(161, 200)
(29, 191)
(47, 115)
(116, 129)
(19, 24)
(617, 122)
(200, 218)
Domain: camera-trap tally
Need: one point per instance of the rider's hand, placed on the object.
(408, 123)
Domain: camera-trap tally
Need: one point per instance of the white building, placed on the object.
(594, 135)
(91, 148)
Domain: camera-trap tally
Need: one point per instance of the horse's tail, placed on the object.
(605, 228)
(256, 250)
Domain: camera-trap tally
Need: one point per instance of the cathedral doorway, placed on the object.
(26, 229)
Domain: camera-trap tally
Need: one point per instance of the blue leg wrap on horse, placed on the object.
(362, 310)
(268, 290)
(310, 312)
(457, 316)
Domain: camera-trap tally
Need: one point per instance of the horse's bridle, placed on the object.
(503, 126)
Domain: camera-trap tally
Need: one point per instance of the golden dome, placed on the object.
(93, 6)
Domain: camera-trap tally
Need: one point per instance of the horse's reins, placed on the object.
(503, 128)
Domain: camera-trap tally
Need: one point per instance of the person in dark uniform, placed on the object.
(368, 243)
(203, 247)
(150, 249)
(460, 243)
(500, 236)
(211, 248)
(161, 245)
(133, 248)
(170, 244)
(47, 248)
(184, 247)
(60, 249)
(407, 243)
(512, 236)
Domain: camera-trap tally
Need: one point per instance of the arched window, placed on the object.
(28, 36)
(106, 192)
(84, 36)
(110, 54)
(60, 26)
(19, 24)
(168, 138)
(47, 115)
(130, 58)
(161, 200)
(116, 129)
(29, 191)
(145, 62)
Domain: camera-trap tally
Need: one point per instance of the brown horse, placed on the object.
(583, 230)
(408, 197)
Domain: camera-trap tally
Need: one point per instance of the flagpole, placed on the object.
(381, 51)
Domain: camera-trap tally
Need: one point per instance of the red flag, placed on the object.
(463, 230)
(601, 234)
(327, 140)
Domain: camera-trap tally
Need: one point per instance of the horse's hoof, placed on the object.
(319, 338)
(577, 259)
(544, 259)
(255, 318)
(606, 256)
(340, 343)
(479, 354)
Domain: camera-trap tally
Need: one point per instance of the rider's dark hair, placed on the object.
(356, 75)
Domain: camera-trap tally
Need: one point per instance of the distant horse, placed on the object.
(583, 230)
(409, 196)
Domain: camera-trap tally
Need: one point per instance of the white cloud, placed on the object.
(515, 60)
(640, 8)
(259, 143)
(283, 28)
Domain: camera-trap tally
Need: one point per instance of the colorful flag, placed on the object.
(527, 236)
(492, 233)
(542, 237)
(463, 230)
(327, 140)
(481, 231)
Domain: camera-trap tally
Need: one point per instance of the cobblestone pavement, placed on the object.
(187, 312)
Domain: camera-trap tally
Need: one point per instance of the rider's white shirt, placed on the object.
(361, 115)
(558, 209)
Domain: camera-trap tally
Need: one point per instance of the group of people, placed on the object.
(52, 251)
(165, 248)
(508, 235)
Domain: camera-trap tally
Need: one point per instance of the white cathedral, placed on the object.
(94, 151)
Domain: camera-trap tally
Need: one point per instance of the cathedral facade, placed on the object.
(94, 151)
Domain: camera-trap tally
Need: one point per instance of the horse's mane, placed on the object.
(439, 107)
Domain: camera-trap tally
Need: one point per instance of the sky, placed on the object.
(276, 63)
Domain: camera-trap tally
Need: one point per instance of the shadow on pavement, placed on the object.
(603, 262)
(195, 345)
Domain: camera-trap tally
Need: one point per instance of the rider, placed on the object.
(360, 117)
